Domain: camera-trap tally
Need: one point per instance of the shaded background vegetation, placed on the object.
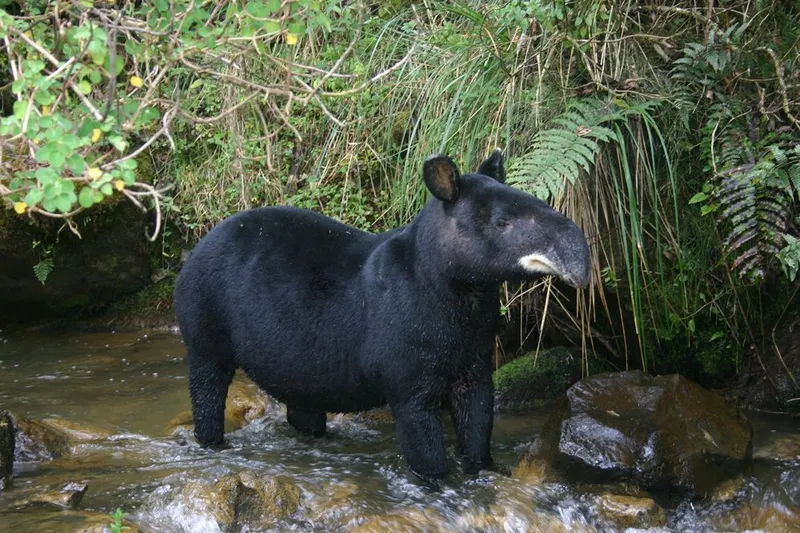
(669, 130)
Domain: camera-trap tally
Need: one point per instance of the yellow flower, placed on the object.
(45, 110)
(94, 173)
(96, 134)
(20, 207)
(136, 81)
(291, 39)
(119, 184)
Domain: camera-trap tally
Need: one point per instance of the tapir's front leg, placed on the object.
(472, 411)
(419, 431)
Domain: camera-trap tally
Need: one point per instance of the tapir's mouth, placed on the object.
(540, 264)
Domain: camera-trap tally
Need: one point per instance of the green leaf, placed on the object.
(46, 175)
(84, 87)
(697, 198)
(86, 197)
(107, 189)
(63, 203)
(34, 196)
(272, 26)
(128, 164)
(43, 97)
(118, 142)
(706, 209)
(76, 164)
(98, 51)
(298, 27)
(20, 109)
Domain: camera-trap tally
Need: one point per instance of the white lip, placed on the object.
(539, 264)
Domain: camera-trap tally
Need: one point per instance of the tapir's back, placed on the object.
(278, 277)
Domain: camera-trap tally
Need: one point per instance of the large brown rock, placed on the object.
(247, 500)
(8, 433)
(664, 433)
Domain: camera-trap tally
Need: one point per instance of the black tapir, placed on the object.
(325, 317)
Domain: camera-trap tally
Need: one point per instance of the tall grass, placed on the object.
(579, 96)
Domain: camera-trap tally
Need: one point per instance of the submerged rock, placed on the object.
(630, 511)
(8, 431)
(533, 468)
(76, 432)
(247, 500)
(244, 404)
(411, 520)
(374, 417)
(68, 497)
(664, 433)
(39, 441)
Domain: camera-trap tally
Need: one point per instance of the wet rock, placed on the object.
(8, 432)
(244, 404)
(247, 500)
(782, 448)
(409, 521)
(77, 432)
(68, 497)
(728, 489)
(499, 520)
(374, 417)
(630, 511)
(751, 517)
(533, 378)
(664, 433)
(39, 441)
(767, 501)
(533, 467)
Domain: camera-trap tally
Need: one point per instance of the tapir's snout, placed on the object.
(566, 256)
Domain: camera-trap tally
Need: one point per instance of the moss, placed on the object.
(151, 306)
(529, 379)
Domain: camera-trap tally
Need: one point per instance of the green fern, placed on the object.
(42, 269)
(560, 153)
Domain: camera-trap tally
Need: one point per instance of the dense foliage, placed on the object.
(669, 130)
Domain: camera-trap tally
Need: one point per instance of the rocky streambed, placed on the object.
(101, 422)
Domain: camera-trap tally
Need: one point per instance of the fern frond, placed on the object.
(560, 153)
(42, 269)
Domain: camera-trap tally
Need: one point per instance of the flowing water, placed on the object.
(126, 387)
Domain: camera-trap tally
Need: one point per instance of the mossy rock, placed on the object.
(530, 379)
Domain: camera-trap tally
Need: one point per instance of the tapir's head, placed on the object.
(490, 232)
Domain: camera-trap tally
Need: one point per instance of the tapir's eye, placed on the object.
(502, 223)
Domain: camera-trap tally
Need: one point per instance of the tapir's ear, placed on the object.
(493, 166)
(441, 177)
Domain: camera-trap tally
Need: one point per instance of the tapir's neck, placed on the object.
(430, 244)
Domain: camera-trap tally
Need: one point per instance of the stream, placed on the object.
(127, 387)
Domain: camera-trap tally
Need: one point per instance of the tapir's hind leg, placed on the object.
(210, 374)
(306, 422)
